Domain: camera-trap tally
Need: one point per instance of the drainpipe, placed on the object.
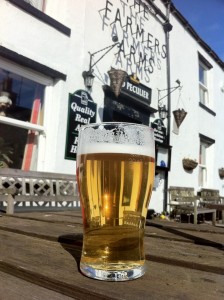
(167, 37)
(167, 28)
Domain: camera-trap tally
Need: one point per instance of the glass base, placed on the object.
(112, 275)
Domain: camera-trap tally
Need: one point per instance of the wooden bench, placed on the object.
(37, 190)
(210, 198)
(183, 201)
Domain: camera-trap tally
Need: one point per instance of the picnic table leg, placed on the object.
(195, 218)
(195, 213)
(189, 218)
(222, 216)
(10, 204)
(214, 217)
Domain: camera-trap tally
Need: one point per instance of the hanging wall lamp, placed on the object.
(88, 79)
(88, 75)
(163, 112)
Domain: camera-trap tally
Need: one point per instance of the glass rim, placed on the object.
(116, 123)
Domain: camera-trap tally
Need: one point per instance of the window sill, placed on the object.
(22, 124)
(207, 109)
(41, 16)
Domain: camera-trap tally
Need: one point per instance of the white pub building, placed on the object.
(56, 60)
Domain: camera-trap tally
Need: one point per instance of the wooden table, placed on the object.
(40, 254)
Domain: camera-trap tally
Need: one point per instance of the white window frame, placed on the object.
(204, 168)
(202, 173)
(204, 87)
(32, 75)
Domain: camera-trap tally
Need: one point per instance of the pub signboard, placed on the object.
(163, 150)
(159, 131)
(141, 93)
(81, 111)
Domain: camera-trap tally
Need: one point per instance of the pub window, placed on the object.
(21, 103)
(205, 157)
(21, 95)
(204, 74)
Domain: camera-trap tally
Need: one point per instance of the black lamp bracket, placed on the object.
(170, 91)
(109, 48)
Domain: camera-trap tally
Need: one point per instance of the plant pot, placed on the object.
(117, 78)
(221, 173)
(179, 116)
(189, 164)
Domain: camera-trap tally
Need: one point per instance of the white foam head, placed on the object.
(117, 148)
(116, 138)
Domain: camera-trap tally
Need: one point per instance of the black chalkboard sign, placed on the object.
(159, 131)
(81, 111)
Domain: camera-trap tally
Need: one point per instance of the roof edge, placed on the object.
(175, 12)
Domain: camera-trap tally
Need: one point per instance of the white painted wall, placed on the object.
(28, 36)
(184, 65)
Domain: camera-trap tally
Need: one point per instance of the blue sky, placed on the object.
(207, 19)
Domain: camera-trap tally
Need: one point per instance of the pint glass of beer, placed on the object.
(115, 174)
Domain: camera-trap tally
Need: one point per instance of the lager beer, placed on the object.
(115, 180)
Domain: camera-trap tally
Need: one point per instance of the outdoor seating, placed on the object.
(183, 201)
(28, 189)
(211, 199)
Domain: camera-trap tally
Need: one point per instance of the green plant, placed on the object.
(5, 152)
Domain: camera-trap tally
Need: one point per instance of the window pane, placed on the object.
(12, 146)
(202, 176)
(21, 99)
(202, 75)
(203, 154)
(22, 94)
(202, 95)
